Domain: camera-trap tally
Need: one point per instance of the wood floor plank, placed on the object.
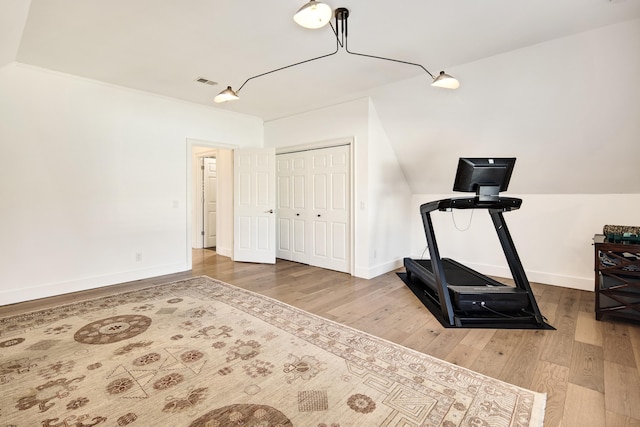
(583, 407)
(549, 311)
(622, 389)
(497, 352)
(560, 344)
(617, 343)
(588, 329)
(634, 336)
(426, 332)
(478, 338)
(588, 303)
(520, 367)
(552, 379)
(444, 343)
(617, 420)
(463, 355)
(548, 293)
(587, 366)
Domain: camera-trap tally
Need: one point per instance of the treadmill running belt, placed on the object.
(458, 275)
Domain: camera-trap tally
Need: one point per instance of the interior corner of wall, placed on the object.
(377, 270)
(8, 66)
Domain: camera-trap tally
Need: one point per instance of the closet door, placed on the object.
(329, 198)
(292, 207)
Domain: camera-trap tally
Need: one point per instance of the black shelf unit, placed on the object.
(617, 278)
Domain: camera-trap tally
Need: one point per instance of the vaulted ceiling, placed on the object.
(163, 46)
(534, 73)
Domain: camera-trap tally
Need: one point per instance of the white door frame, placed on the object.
(191, 143)
(328, 144)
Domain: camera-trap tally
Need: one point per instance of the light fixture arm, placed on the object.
(338, 44)
(342, 15)
(388, 59)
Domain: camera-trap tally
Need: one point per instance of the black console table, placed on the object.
(617, 278)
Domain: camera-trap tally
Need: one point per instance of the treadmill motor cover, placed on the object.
(486, 298)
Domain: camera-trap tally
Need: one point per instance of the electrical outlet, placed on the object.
(138, 256)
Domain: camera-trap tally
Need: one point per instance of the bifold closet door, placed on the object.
(329, 210)
(314, 207)
(292, 207)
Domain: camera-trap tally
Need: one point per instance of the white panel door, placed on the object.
(254, 205)
(329, 231)
(292, 207)
(210, 202)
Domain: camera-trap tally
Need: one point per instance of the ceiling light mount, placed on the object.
(340, 31)
(342, 13)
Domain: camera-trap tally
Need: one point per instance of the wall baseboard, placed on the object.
(377, 270)
(13, 296)
(545, 278)
(228, 252)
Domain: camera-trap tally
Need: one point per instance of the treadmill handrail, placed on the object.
(503, 204)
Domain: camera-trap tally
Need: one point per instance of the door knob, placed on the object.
(318, 215)
(269, 211)
(297, 214)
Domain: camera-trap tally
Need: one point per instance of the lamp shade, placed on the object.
(446, 81)
(226, 95)
(313, 15)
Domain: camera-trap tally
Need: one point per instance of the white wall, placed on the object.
(564, 108)
(381, 194)
(92, 175)
(389, 202)
(13, 16)
(552, 234)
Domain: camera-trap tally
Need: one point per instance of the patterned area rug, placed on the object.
(200, 352)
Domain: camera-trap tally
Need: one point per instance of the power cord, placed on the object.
(456, 225)
(483, 305)
(532, 314)
(425, 250)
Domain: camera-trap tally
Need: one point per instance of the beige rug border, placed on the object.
(539, 404)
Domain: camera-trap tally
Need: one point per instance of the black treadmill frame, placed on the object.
(436, 278)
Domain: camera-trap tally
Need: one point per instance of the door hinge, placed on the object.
(202, 233)
(201, 167)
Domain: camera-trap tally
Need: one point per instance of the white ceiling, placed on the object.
(162, 46)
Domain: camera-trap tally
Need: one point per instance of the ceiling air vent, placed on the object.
(206, 81)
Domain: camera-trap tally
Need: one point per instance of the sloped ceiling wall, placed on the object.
(568, 109)
(13, 16)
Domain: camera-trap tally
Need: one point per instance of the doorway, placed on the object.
(222, 221)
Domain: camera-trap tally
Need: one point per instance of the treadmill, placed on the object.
(458, 295)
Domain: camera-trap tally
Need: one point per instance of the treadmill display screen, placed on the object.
(484, 176)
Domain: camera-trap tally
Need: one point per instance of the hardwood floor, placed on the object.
(589, 369)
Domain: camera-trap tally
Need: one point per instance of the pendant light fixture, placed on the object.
(226, 95)
(446, 81)
(341, 14)
(313, 15)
